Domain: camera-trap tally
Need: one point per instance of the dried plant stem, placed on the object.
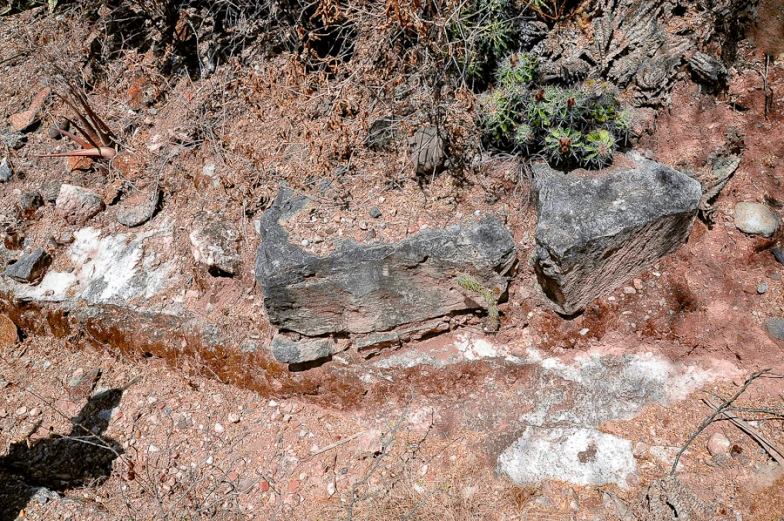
(720, 410)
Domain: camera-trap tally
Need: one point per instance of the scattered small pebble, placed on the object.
(375, 213)
(719, 444)
(629, 290)
(234, 417)
(5, 171)
(219, 428)
(762, 288)
(330, 488)
(584, 331)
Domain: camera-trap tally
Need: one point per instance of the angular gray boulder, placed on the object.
(595, 232)
(29, 267)
(369, 288)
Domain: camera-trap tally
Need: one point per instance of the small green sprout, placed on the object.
(471, 284)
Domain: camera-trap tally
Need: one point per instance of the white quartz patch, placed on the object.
(112, 268)
(474, 348)
(579, 456)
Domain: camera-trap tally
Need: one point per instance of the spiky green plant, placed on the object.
(577, 126)
(471, 284)
(498, 113)
(541, 106)
(598, 148)
(516, 70)
(563, 145)
(480, 32)
(525, 136)
(623, 125)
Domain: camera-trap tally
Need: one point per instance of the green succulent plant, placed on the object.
(525, 136)
(623, 125)
(469, 283)
(498, 114)
(480, 32)
(563, 145)
(518, 69)
(575, 126)
(598, 148)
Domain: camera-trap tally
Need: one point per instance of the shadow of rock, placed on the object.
(61, 462)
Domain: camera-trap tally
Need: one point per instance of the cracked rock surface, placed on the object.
(365, 288)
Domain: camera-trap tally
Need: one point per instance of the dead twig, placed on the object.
(774, 452)
(384, 449)
(336, 444)
(720, 410)
(98, 141)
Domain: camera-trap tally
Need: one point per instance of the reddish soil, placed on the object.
(266, 124)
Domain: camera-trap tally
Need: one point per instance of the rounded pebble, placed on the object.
(719, 444)
(755, 219)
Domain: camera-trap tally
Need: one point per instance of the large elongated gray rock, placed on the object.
(366, 288)
(596, 232)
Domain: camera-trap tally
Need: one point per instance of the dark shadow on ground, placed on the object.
(81, 458)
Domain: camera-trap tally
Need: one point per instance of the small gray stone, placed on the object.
(138, 209)
(77, 205)
(383, 133)
(62, 124)
(44, 494)
(216, 244)
(427, 151)
(755, 219)
(30, 267)
(249, 346)
(29, 202)
(775, 328)
(6, 173)
(762, 288)
(288, 351)
(50, 190)
(14, 139)
(375, 213)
